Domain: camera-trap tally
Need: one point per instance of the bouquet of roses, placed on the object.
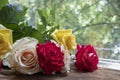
(28, 56)
(28, 50)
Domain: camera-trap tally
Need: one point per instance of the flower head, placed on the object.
(5, 41)
(86, 58)
(23, 56)
(50, 57)
(65, 38)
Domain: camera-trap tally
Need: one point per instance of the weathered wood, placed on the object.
(100, 74)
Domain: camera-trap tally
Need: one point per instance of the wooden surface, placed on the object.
(100, 74)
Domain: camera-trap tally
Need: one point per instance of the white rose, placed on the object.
(23, 56)
(67, 60)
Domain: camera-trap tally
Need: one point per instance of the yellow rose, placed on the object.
(65, 38)
(5, 41)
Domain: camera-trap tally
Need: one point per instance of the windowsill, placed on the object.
(108, 70)
(100, 74)
(109, 63)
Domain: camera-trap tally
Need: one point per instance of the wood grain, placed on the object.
(100, 74)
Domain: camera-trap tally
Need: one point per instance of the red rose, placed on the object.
(50, 57)
(86, 58)
(0, 65)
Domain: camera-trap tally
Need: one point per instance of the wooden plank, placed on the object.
(100, 74)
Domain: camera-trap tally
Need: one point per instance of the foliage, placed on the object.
(12, 16)
(3, 2)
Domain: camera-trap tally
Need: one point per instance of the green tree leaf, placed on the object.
(44, 14)
(11, 15)
(27, 31)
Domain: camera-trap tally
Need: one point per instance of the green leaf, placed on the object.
(41, 28)
(11, 14)
(3, 2)
(44, 14)
(27, 31)
(31, 32)
(47, 15)
(36, 34)
(17, 34)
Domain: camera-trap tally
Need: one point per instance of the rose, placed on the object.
(23, 56)
(67, 58)
(0, 65)
(5, 41)
(50, 57)
(65, 38)
(86, 58)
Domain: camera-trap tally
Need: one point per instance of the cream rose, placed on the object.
(23, 56)
(5, 41)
